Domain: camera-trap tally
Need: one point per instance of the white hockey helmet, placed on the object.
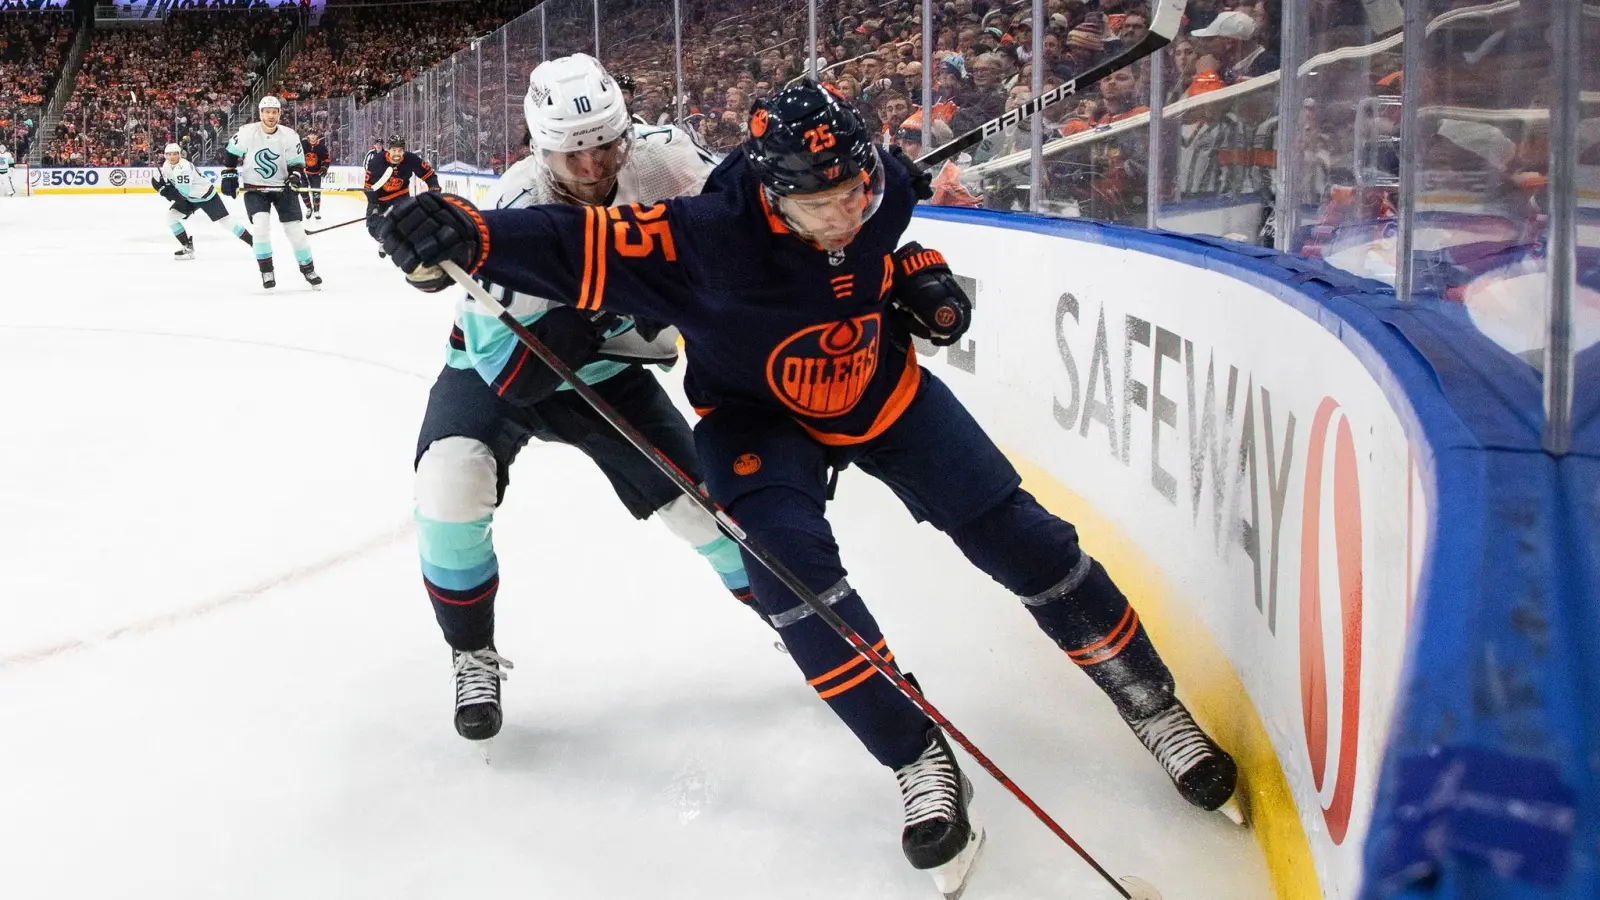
(269, 102)
(172, 148)
(573, 104)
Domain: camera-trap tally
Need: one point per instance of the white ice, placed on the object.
(220, 677)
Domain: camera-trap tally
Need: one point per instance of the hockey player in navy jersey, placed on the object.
(492, 397)
(318, 157)
(798, 300)
(389, 177)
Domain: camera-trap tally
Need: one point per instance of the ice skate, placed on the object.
(269, 280)
(312, 278)
(186, 253)
(1203, 772)
(478, 674)
(940, 836)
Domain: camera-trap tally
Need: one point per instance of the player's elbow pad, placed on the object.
(569, 334)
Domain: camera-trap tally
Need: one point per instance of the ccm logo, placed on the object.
(1331, 520)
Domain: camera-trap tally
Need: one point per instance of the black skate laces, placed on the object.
(478, 676)
(929, 786)
(1174, 739)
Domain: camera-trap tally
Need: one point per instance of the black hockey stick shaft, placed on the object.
(332, 227)
(778, 569)
(1163, 28)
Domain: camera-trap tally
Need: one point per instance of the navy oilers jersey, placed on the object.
(384, 190)
(768, 319)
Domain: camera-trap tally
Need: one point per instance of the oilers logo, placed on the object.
(823, 371)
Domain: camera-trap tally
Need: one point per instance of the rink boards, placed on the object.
(136, 179)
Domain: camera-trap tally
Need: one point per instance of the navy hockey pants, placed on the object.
(772, 477)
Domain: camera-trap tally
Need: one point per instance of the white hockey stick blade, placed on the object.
(951, 878)
(1139, 889)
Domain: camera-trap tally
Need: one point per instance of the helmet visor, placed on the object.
(591, 166)
(832, 218)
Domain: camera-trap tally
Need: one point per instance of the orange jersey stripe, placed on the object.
(588, 257)
(600, 263)
(1112, 635)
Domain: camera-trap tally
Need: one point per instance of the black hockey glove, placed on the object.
(423, 231)
(927, 298)
(921, 182)
(171, 192)
(296, 179)
(230, 182)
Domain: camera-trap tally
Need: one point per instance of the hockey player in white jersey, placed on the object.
(492, 396)
(188, 190)
(6, 162)
(274, 169)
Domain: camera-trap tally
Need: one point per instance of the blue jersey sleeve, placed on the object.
(634, 260)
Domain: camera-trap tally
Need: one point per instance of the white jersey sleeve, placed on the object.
(188, 180)
(265, 158)
(665, 163)
(6, 162)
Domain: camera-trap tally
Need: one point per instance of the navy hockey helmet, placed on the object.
(396, 141)
(819, 170)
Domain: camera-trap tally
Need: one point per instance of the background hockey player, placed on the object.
(6, 162)
(388, 179)
(188, 190)
(317, 156)
(798, 301)
(274, 170)
(492, 397)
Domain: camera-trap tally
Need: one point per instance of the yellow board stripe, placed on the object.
(1208, 683)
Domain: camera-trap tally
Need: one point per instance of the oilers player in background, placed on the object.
(492, 397)
(274, 170)
(798, 302)
(188, 190)
(317, 157)
(389, 177)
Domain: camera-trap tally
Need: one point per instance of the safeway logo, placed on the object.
(1330, 538)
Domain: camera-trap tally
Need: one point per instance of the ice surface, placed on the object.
(220, 677)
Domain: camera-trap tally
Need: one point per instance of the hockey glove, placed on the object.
(171, 192)
(927, 298)
(296, 179)
(230, 182)
(921, 181)
(423, 231)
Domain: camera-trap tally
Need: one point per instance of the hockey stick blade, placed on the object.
(1163, 28)
(780, 571)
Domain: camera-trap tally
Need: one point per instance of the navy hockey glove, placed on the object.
(927, 298)
(423, 231)
(171, 192)
(230, 182)
(296, 179)
(921, 181)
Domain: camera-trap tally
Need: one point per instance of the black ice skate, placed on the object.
(940, 836)
(268, 279)
(478, 677)
(312, 278)
(187, 251)
(1203, 772)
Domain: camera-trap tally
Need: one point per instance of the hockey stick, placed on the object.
(332, 227)
(1163, 28)
(782, 572)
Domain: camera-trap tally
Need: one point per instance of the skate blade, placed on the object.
(1233, 810)
(1139, 889)
(486, 748)
(951, 878)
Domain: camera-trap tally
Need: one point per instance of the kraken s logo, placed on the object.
(266, 162)
(822, 371)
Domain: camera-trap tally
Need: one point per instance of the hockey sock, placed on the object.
(261, 232)
(462, 576)
(1088, 617)
(175, 224)
(893, 730)
(297, 240)
(684, 518)
(1036, 556)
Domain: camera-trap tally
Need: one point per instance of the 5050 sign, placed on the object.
(68, 178)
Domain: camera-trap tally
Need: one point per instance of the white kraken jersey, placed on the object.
(265, 158)
(188, 180)
(6, 162)
(664, 163)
